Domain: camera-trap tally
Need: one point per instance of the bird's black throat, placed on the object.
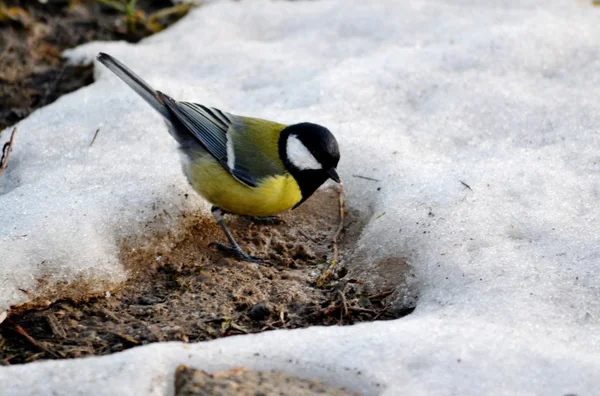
(309, 181)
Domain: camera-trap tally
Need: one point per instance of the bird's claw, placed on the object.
(235, 252)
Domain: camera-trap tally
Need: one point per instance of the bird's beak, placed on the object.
(333, 175)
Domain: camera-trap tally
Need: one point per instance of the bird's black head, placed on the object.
(311, 154)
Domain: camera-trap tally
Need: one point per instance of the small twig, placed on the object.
(383, 311)
(344, 303)
(6, 360)
(355, 281)
(124, 337)
(382, 295)
(111, 315)
(238, 328)
(30, 339)
(366, 178)
(358, 309)
(55, 326)
(282, 318)
(322, 281)
(6, 152)
(269, 326)
(280, 322)
(466, 185)
(94, 138)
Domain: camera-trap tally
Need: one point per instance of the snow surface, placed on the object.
(501, 95)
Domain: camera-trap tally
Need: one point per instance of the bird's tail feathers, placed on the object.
(135, 82)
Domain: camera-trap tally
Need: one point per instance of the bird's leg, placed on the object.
(268, 220)
(235, 249)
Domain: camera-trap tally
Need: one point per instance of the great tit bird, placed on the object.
(241, 165)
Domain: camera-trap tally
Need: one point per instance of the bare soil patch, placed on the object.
(243, 382)
(33, 35)
(192, 293)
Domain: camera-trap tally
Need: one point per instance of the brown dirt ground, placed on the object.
(190, 292)
(33, 35)
(244, 382)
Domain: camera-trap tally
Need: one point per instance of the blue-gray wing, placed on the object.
(216, 130)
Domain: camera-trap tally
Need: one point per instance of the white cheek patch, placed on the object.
(300, 156)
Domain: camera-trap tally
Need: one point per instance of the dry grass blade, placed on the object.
(239, 328)
(55, 326)
(466, 185)
(344, 303)
(124, 337)
(178, 11)
(30, 339)
(94, 138)
(366, 178)
(322, 281)
(6, 152)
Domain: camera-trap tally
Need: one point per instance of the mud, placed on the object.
(33, 35)
(244, 382)
(192, 293)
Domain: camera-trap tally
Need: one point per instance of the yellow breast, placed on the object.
(217, 186)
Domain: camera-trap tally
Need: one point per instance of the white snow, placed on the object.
(502, 95)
